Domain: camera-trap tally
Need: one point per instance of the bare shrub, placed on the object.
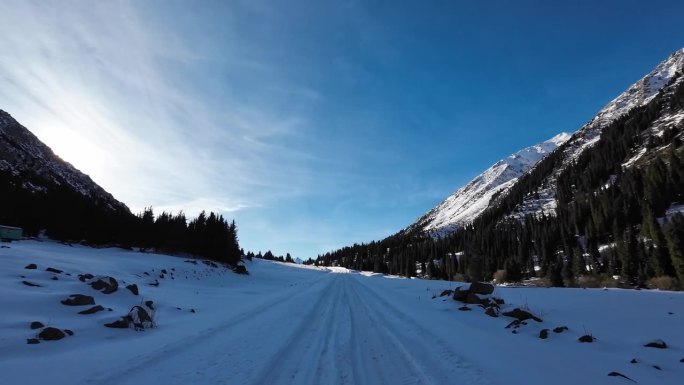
(589, 281)
(663, 282)
(500, 276)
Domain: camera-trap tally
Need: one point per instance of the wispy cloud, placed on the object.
(126, 99)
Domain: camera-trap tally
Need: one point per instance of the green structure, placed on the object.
(9, 233)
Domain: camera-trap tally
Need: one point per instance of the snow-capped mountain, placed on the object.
(665, 76)
(27, 159)
(466, 204)
(472, 199)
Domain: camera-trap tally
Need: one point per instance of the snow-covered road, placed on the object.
(288, 324)
(339, 331)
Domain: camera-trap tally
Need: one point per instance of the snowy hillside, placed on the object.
(289, 324)
(639, 94)
(23, 154)
(466, 204)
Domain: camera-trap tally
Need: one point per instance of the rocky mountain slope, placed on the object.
(25, 159)
(471, 200)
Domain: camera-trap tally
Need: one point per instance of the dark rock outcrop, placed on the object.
(37, 325)
(31, 266)
(521, 315)
(78, 300)
(53, 270)
(133, 289)
(51, 334)
(658, 344)
(92, 310)
(587, 338)
(544, 334)
(106, 285)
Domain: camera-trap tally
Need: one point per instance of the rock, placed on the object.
(78, 300)
(682, 360)
(515, 332)
(616, 374)
(521, 315)
(481, 288)
(69, 332)
(140, 318)
(560, 329)
(92, 310)
(241, 269)
(657, 367)
(474, 299)
(191, 261)
(85, 277)
(106, 285)
(31, 266)
(37, 325)
(492, 311)
(634, 361)
(149, 304)
(133, 288)
(586, 338)
(121, 323)
(464, 308)
(54, 278)
(659, 344)
(51, 334)
(446, 292)
(155, 283)
(515, 324)
(164, 271)
(32, 341)
(460, 295)
(27, 283)
(544, 334)
(53, 270)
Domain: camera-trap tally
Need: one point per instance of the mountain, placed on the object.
(41, 191)
(471, 200)
(468, 202)
(23, 154)
(639, 94)
(606, 203)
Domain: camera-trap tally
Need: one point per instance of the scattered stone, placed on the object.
(560, 329)
(27, 283)
(544, 334)
(670, 313)
(161, 276)
(92, 310)
(634, 361)
(192, 310)
(106, 285)
(78, 300)
(464, 308)
(682, 360)
(481, 288)
(492, 311)
(164, 271)
(133, 288)
(521, 315)
(54, 278)
(146, 273)
(121, 323)
(31, 266)
(657, 367)
(155, 283)
(515, 332)
(32, 341)
(616, 374)
(659, 344)
(140, 318)
(85, 277)
(446, 292)
(150, 304)
(51, 334)
(37, 325)
(69, 332)
(586, 338)
(53, 270)
(515, 324)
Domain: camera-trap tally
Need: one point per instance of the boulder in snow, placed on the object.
(106, 285)
(51, 334)
(659, 344)
(31, 266)
(37, 325)
(78, 300)
(481, 288)
(521, 315)
(92, 310)
(133, 288)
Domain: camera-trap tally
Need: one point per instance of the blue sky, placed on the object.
(315, 124)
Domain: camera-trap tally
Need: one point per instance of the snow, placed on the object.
(287, 323)
(470, 201)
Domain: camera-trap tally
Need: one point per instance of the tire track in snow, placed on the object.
(416, 342)
(142, 362)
